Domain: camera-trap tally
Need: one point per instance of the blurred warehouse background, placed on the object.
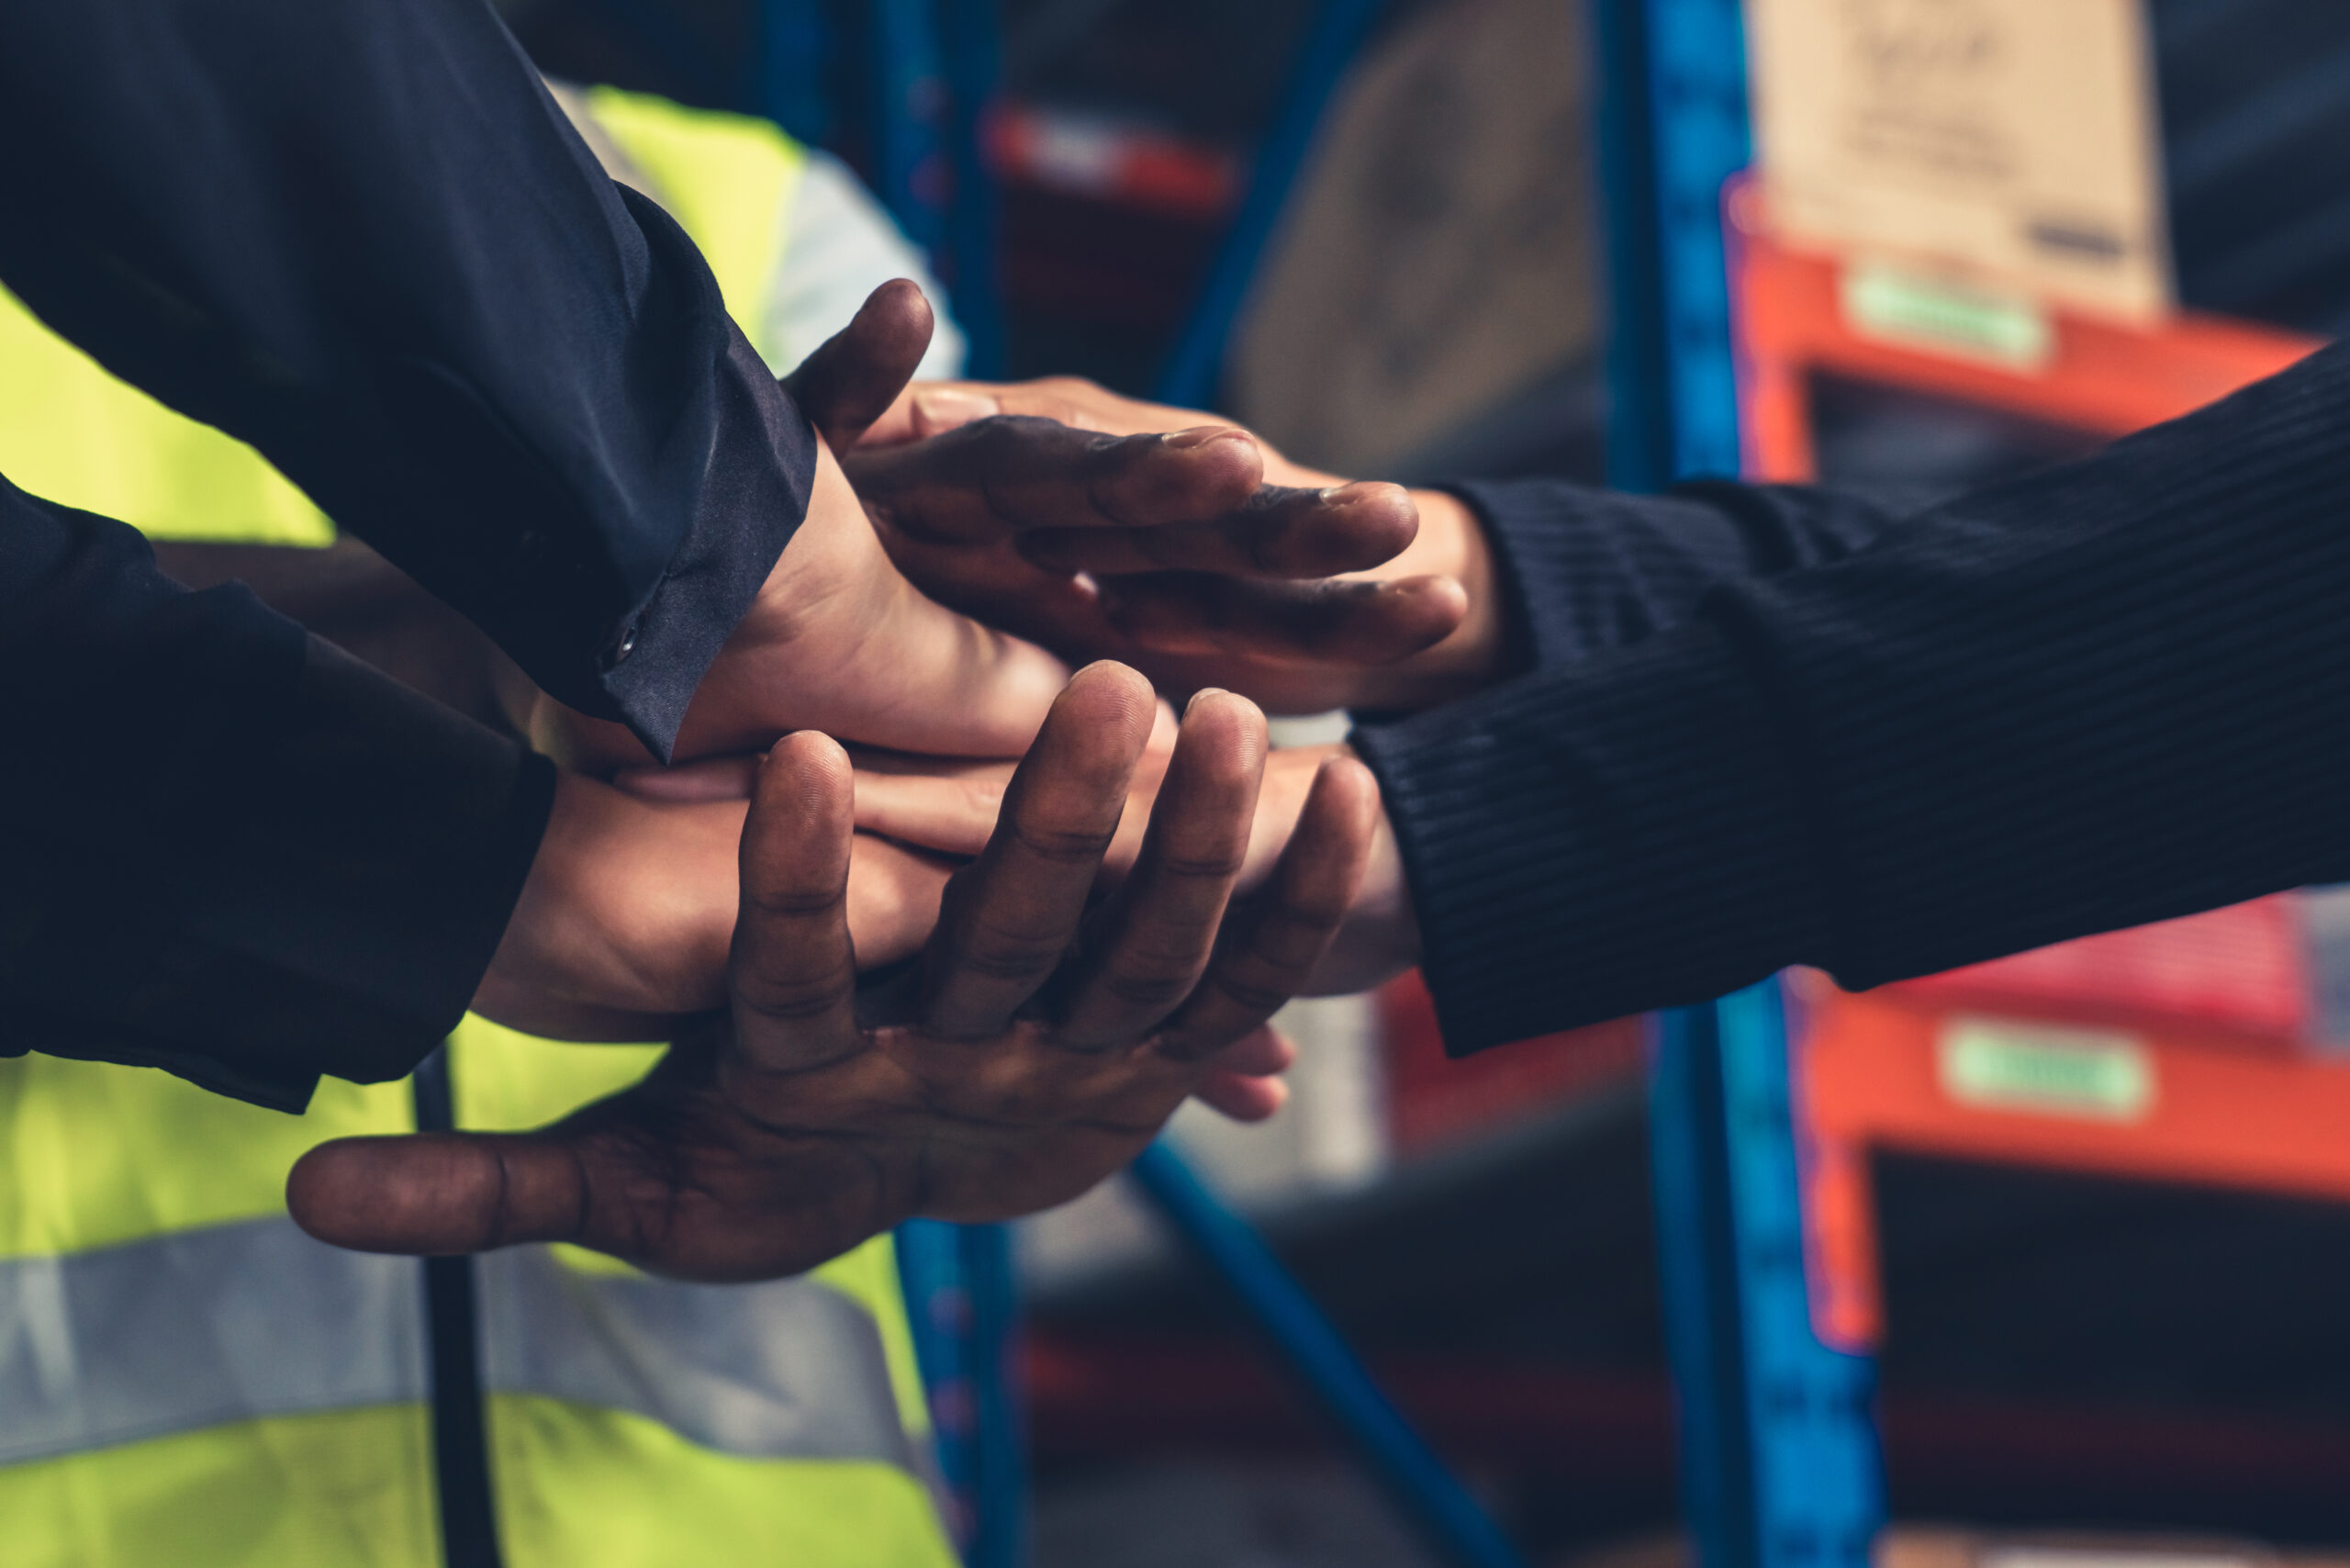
(2080, 1367)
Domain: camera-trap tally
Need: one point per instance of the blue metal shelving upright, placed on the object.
(1780, 1465)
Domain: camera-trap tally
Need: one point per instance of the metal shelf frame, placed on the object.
(1761, 1125)
(1779, 1457)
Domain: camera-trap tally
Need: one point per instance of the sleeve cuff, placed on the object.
(351, 916)
(1615, 836)
(761, 472)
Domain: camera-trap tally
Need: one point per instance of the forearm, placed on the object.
(363, 239)
(233, 852)
(1571, 571)
(2112, 693)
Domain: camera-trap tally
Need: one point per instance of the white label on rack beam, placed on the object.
(1998, 1064)
(1893, 305)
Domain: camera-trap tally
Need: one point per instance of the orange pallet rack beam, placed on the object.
(1868, 1069)
(2103, 378)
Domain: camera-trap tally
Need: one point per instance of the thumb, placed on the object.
(854, 377)
(439, 1193)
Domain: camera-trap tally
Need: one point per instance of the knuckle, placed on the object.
(996, 953)
(1152, 987)
(1221, 864)
(1014, 968)
(1060, 845)
(1261, 994)
(790, 904)
(1318, 907)
(1290, 945)
(790, 999)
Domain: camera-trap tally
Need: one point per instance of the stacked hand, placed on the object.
(1312, 593)
(947, 807)
(1025, 1047)
(1037, 1042)
(621, 925)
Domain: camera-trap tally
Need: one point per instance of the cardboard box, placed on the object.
(2002, 143)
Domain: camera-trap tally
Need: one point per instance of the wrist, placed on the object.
(1379, 936)
(1450, 544)
(1477, 652)
(627, 914)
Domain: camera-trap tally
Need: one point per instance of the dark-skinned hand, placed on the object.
(1314, 593)
(947, 806)
(1038, 1043)
(839, 640)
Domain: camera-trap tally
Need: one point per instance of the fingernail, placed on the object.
(1204, 435)
(947, 408)
(1196, 697)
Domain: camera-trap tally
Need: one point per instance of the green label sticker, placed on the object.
(2007, 1065)
(2010, 330)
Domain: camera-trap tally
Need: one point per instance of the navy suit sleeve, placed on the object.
(2111, 692)
(228, 850)
(361, 236)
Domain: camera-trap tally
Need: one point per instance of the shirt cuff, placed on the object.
(761, 472)
(1618, 834)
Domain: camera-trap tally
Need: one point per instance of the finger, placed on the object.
(950, 815)
(1348, 622)
(855, 375)
(1262, 1053)
(1277, 532)
(440, 1193)
(994, 478)
(687, 783)
(893, 896)
(1074, 400)
(1274, 943)
(793, 970)
(931, 408)
(1155, 937)
(935, 410)
(1240, 1098)
(1008, 918)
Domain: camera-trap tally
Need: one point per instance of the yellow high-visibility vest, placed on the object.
(187, 1379)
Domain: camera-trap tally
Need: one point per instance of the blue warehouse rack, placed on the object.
(1779, 1461)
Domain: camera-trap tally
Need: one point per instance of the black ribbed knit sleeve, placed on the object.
(1587, 570)
(2112, 692)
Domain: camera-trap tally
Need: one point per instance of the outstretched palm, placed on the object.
(1034, 1047)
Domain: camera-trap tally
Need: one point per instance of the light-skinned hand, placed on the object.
(623, 926)
(839, 640)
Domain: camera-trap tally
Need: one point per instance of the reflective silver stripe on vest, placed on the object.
(199, 1328)
(234, 1322)
(785, 1370)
